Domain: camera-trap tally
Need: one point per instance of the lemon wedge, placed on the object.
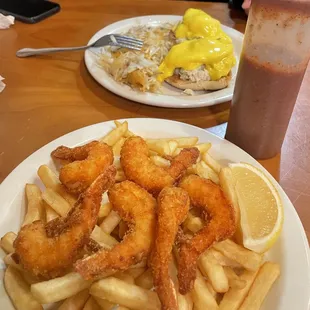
(261, 210)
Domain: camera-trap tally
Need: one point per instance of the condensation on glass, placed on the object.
(274, 58)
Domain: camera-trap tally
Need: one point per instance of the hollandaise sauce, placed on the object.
(205, 44)
(198, 24)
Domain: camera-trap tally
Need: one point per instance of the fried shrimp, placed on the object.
(86, 163)
(173, 206)
(48, 250)
(139, 168)
(137, 208)
(220, 225)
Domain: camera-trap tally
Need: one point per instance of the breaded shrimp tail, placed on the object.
(86, 163)
(220, 225)
(137, 208)
(49, 250)
(173, 205)
(139, 168)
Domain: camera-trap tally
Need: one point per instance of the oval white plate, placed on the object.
(171, 97)
(291, 291)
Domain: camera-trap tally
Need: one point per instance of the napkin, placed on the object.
(2, 85)
(6, 21)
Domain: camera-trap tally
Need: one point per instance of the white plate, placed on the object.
(171, 97)
(291, 291)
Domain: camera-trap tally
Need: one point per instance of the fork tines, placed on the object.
(125, 41)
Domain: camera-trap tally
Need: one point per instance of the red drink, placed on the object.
(273, 62)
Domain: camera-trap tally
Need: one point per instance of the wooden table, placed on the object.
(49, 96)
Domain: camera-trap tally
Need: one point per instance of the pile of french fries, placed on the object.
(229, 276)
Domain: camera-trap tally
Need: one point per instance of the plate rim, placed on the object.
(150, 98)
(301, 231)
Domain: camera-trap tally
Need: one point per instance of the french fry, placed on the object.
(59, 288)
(50, 213)
(35, 208)
(204, 171)
(124, 277)
(104, 304)
(75, 302)
(202, 297)
(182, 141)
(172, 146)
(193, 223)
(10, 261)
(105, 198)
(128, 133)
(48, 177)
(160, 161)
(118, 146)
(228, 185)
(123, 227)
(50, 180)
(128, 295)
(152, 153)
(91, 304)
(233, 279)
(211, 290)
(223, 260)
(234, 297)
(209, 267)
(105, 209)
(7, 242)
(263, 282)
(135, 272)
(117, 163)
(161, 147)
(19, 291)
(101, 237)
(246, 258)
(120, 176)
(187, 141)
(114, 135)
(185, 302)
(211, 162)
(203, 147)
(145, 280)
(56, 202)
(177, 151)
(110, 222)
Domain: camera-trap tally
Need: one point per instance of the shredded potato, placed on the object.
(139, 69)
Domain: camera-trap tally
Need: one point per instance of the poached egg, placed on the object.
(203, 43)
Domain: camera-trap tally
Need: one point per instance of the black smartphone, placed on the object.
(29, 11)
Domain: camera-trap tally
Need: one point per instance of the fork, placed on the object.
(111, 39)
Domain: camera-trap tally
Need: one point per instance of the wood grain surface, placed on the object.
(49, 96)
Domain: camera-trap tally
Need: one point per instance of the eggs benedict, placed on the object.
(203, 57)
